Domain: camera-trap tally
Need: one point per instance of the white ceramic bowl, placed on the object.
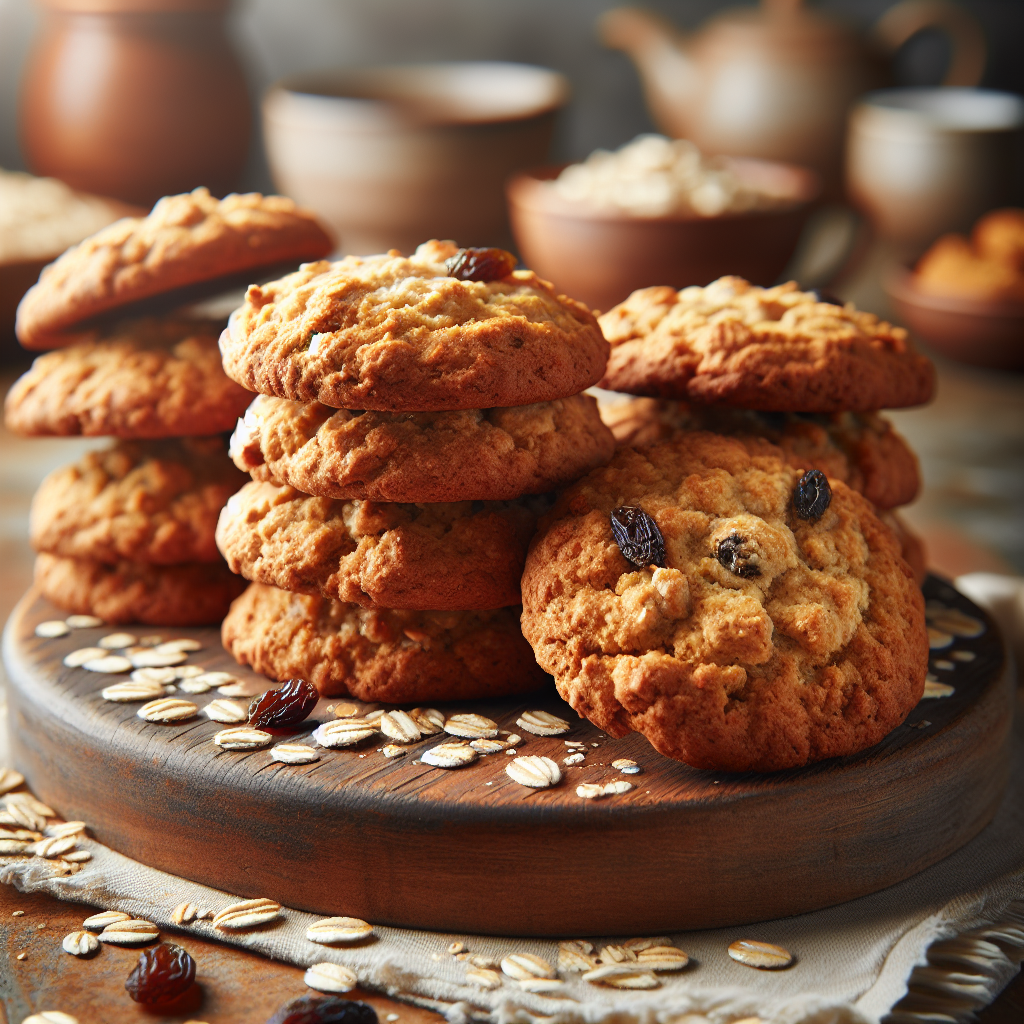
(392, 156)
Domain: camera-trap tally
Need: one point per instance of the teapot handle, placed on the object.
(899, 23)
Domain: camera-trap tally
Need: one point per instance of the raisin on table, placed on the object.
(324, 1010)
(287, 705)
(162, 974)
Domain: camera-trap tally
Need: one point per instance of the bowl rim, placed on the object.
(523, 190)
(898, 283)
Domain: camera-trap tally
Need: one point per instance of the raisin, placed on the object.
(638, 537)
(736, 558)
(287, 705)
(812, 495)
(480, 264)
(324, 1010)
(162, 974)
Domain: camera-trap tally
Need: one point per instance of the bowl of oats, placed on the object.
(658, 211)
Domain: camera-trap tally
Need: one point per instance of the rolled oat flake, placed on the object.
(338, 929)
(763, 955)
(449, 755)
(80, 943)
(328, 977)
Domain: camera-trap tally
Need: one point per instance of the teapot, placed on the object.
(776, 81)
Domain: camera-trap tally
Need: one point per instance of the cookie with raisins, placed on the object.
(861, 449)
(776, 349)
(380, 654)
(468, 454)
(780, 626)
(449, 555)
(392, 333)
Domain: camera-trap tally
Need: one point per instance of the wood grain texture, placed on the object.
(399, 842)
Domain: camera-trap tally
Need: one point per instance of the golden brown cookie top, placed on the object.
(396, 333)
(185, 240)
(146, 378)
(773, 623)
(761, 348)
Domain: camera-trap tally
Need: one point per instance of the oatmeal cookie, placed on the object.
(185, 240)
(453, 555)
(196, 594)
(861, 449)
(143, 379)
(140, 501)
(398, 334)
(777, 349)
(748, 637)
(376, 654)
(471, 454)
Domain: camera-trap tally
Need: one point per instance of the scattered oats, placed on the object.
(399, 726)
(524, 966)
(110, 664)
(449, 755)
(577, 758)
(627, 766)
(78, 856)
(542, 985)
(640, 944)
(616, 955)
(512, 739)
(484, 977)
(617, 787)
(574, 743)
(933, 688)
(533, 771)
(151, 640)
(486, 747)
(210, 679)
(243, 688)
(53, 847)
(184, 644)
(184, 913)
(393, 750)
(78, 658)
(937, 640)
(226, 711)
(189, 672)
(242, 737)
(80, 943)
(471, 727)
(343, 732)
(152, 657)
(483, 961)
(391, 1016)
(595, 744)
(116, 641)
(13, 847)
(25, 834)
(633, 979)
(511, 751)
(52, 628)
(957, 623)
(246, 914)
(374, 717)
(963, 655)
(943, 665)
(589, 790)
(99, 921)
(168, 709)
(294, 753)
(18, 913)
(603, 972)
(83, 621)
(662, 958)
(338, 929)
(132, 690)
(760, 954)
(456, 947)
(193, 686)
(30, 804)
(10, 779)
(21, 956)
(345, 711)
(575, 957)
(129, 933)
(330, 978)
(153, 675)
(542, 723)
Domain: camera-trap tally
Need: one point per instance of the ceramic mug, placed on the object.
(921, 162)
(392, 156)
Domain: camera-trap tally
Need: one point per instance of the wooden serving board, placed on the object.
(468, 850)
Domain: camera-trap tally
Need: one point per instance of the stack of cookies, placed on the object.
(413, 415)
(127, 534)
(725, 585)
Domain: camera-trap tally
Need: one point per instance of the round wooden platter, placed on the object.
(396, 841)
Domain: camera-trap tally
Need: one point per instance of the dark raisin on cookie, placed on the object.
(812, 495)
(638, 537)
(480, 264)
(733, 553)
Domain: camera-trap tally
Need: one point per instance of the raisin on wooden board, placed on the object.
(324, 1010)
(162, 974)
(287, 705)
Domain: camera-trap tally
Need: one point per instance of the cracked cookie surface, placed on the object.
(377, 654)
(776, 349)
(398, 334)
(472, 454)
(457, 555)
(765, 641)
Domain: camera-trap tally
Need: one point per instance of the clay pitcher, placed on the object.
(135, 99)
(775, 82)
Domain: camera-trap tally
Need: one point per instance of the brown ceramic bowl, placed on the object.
(981, 332)
(601, 256)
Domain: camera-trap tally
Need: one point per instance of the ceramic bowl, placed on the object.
(392, 156)
(981, 332)
(599, 256)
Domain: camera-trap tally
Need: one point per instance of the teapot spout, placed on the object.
(658, 50)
